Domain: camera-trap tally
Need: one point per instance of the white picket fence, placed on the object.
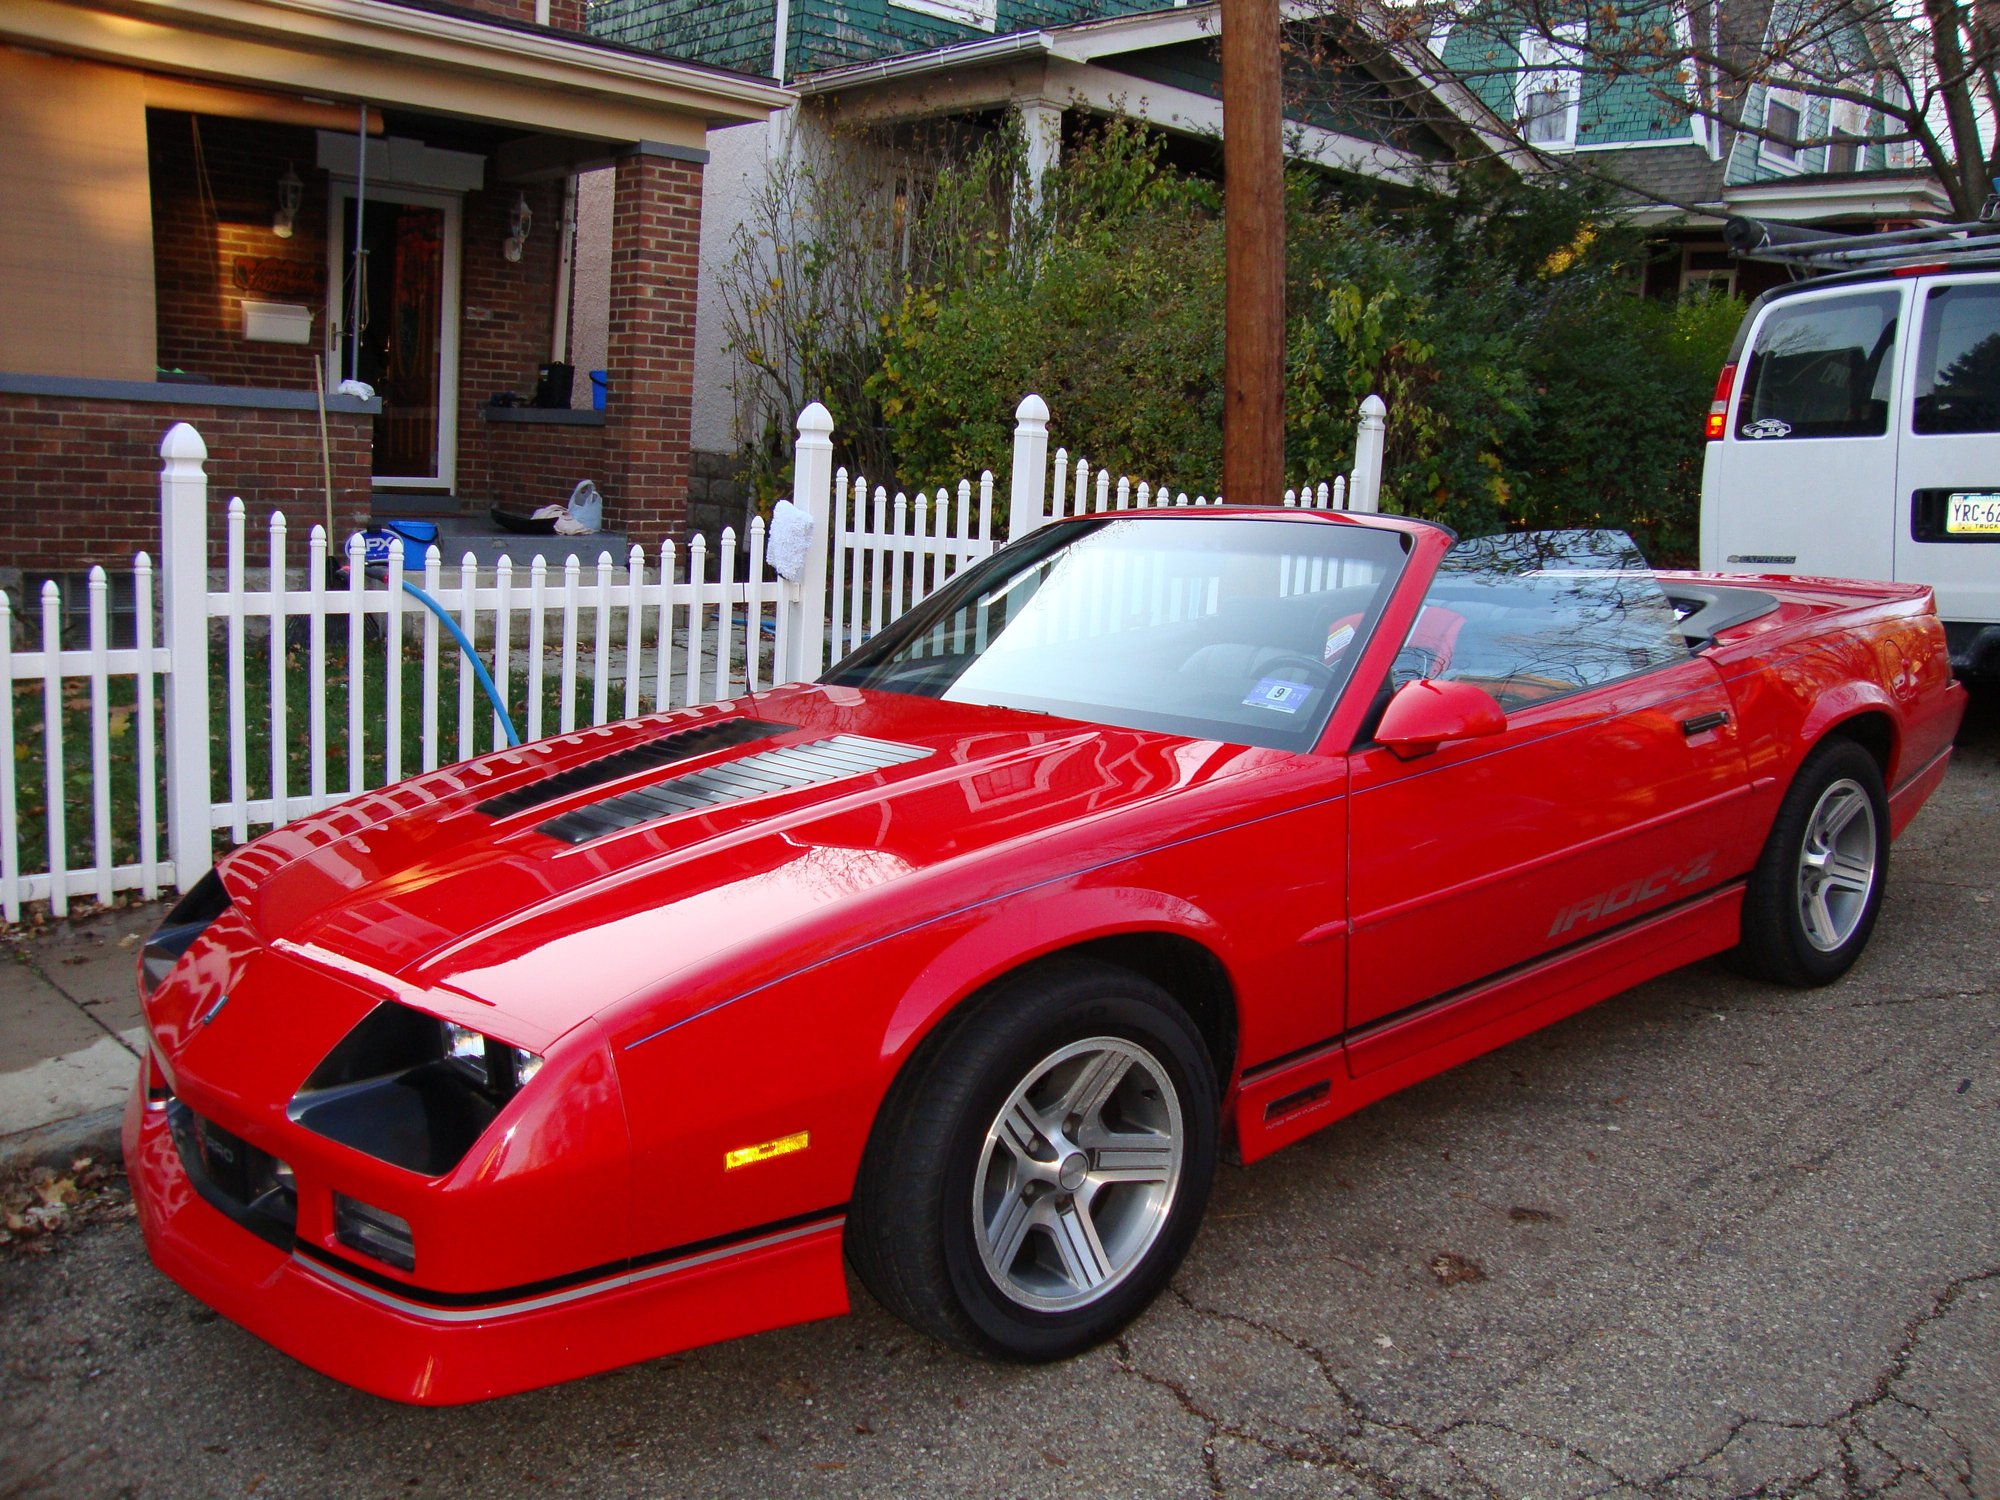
(672, 628)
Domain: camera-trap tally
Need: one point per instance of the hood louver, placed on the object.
(756, 775)
(683, 744)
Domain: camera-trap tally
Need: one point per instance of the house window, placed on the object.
(1850, 137)
(982, 14)
(1783, 115)
(1550, 82)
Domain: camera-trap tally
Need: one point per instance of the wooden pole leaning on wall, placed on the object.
(1253, 189)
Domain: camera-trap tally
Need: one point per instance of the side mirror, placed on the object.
(1424, 715)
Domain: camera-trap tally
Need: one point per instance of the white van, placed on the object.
(1856, 428)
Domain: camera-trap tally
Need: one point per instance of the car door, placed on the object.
(1808, 461)
(1615, 792)
(1948, 463)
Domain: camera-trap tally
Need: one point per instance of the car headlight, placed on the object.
(493, 1066)
(412, 1090)
(190, 918)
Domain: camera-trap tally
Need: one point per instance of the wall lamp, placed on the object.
(518, 226)
(290, 190)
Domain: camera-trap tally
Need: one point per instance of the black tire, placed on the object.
(918, 1235)
(1785, 938)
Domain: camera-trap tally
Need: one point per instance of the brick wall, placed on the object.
(508, 318)
(533, 464)
(80, 479)
(195, 260)
(655, 254)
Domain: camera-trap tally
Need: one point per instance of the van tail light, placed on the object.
(1718, 409)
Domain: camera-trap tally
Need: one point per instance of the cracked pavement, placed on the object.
(1707, 1239)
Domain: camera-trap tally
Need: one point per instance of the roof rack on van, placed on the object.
(1810, 250)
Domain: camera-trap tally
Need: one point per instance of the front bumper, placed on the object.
(436, 1351)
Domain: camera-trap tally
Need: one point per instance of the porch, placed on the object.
(267, 198)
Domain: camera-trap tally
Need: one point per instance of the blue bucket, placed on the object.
(600, 382)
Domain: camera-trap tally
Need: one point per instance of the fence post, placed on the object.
(184, 633)
(812, 487)
(1026, 500)
(1365, 493)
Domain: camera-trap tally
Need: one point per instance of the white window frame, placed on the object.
(983, 14)
(1795, 102)
(1556, 60)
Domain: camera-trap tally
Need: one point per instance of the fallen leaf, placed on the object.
(1456, 1270)
(1522, 1215)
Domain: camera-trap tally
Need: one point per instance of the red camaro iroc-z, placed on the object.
(1151, 836)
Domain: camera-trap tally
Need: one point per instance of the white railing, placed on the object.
(371, 667)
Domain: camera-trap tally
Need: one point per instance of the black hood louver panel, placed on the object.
(683, 744)
(756, 775)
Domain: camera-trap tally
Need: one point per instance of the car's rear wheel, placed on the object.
(1041, 1167)
(1817, 887)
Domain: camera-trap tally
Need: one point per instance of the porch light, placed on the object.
(289, 191)
(522, 221)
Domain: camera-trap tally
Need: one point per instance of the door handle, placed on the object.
(1702, 723)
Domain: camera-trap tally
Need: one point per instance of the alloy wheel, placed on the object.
(1837, 862)
(1077, 1174)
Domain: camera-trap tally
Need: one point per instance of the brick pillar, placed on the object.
(655, 255)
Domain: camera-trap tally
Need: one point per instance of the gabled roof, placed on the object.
(1066, 56)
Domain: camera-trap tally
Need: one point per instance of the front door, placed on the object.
(393, 323)
(1614, 793)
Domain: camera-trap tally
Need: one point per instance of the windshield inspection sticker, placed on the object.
(1276, 692)
(1767, 427)
(1338, 640)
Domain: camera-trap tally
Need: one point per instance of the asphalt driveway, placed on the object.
(1707, 1239)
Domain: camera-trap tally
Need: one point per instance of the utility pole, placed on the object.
(1253, 212)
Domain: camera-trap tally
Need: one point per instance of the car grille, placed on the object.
(683, 744)
(756, 775)
(234, 1176)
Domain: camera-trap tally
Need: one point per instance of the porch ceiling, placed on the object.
(398, 56)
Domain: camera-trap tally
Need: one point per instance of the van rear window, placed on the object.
(1821, 369)
(1958, 361)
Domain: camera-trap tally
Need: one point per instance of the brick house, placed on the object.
(201, 198)
(894, 67)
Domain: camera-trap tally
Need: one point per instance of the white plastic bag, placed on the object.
(789, 540)
(586, 510)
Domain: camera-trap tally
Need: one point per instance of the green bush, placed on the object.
(1527, 384)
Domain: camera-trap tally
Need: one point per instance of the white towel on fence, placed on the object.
(788, 543)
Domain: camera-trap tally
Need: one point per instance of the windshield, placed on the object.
(1242, 630)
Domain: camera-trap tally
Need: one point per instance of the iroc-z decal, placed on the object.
(1632, 892)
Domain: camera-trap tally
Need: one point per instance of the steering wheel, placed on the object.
(1317, 672)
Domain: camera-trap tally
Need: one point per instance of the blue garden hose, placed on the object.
(478, 666)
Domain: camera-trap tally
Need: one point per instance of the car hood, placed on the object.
(539, 913)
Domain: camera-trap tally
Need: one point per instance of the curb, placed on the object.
(94, 1135)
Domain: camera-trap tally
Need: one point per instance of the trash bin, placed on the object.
(600, 382)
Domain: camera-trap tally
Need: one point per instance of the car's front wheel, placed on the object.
(1040, 1169)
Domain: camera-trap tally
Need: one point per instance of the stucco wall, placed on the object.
(737, 164)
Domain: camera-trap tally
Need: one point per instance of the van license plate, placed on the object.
(1972, 513)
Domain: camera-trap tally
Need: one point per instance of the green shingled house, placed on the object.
(886, 64)
(1687, 149)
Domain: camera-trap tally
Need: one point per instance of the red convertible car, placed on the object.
(1153, 835)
